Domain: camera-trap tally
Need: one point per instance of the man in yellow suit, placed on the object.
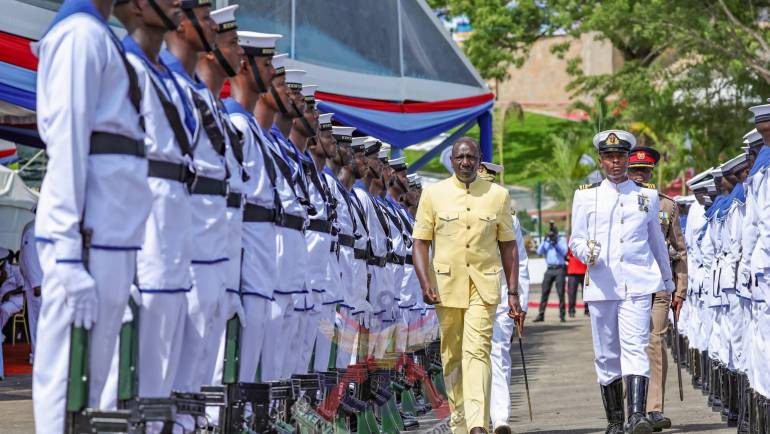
(468, 221)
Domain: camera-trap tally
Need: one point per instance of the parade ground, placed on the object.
(564, 392)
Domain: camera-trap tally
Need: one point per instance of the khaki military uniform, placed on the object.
(672, 231)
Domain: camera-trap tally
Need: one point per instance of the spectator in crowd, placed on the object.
(11, 288)
(576, 273)
(554, 249)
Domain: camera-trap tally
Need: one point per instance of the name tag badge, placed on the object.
(644, 202)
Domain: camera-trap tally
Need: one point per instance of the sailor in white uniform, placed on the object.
(616, 232)
(95, 183)
(207, 306)
(755, 263)
(163, 276)
(29, 264)
(259, 274)
(11, 289)
(292, 303)
(503, 329)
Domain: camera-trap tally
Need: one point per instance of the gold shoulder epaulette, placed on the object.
(587, 186)
(650, 185)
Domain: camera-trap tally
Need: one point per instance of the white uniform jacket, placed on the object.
(633, 258)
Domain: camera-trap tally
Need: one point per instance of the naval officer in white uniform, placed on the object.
(616, 232)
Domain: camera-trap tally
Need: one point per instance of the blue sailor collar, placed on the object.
(762, 160)
(232, 107)
(72, 7)
(173, 63)
(359, 184)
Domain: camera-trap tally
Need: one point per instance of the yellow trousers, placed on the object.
(466, 343)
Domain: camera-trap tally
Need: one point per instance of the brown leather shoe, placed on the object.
(478, 430)
(503, 429)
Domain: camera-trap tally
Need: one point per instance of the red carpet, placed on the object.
(16, 359)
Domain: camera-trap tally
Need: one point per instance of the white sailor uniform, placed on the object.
(632, 264)
(502, 331)
(259, 273)
(292, 299)
(29, 264)
(81, 75)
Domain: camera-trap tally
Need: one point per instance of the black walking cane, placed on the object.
(524, 366)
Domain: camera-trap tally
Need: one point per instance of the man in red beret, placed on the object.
(641, 162)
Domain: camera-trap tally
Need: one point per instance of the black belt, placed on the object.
(292, 222)
(409, 260)
(360, 254)
(204, 185)
(346, 240)
(255, 213)
(395, 259)
(323, 226)
(556, 267)
(377, 261)
(109, 143)
(234, 200)
(170, 171)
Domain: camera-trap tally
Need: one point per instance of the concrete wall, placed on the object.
(540, 84)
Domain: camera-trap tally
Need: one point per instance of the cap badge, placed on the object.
(641, 155)
(612, 139)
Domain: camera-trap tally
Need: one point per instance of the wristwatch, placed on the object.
(513, 293)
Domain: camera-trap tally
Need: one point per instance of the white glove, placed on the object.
(669, 286)
(234, 306)
(744, 278)
(136, 295)
(80, 290)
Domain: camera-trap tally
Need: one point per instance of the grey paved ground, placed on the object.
(562, 383)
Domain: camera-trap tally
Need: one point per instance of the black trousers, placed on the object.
(573, 281)
(553, 276)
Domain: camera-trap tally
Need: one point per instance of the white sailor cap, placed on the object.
(294, 78)
(279, 63)
(753, 138)
(398, 164)
(414, 179)
(707, 185)
(383, 154)
(614, 140)
(684, 200)
(325, 121)
(761, 113)
(735, 164)
(699, 177)
(372, 146)
(492, 167)
(357, 144)
(225, 18)
(258, 44)
(716, 172)
(343, 134)
(308, 91)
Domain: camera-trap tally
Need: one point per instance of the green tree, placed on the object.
(689, 67)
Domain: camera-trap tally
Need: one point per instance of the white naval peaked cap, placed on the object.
(614, 140)
(492, 167)
(383, 154)
(708, 185)
(717, 172)
(736, 163)
(295, 76)
(225, 18)
(685, 200)
(258, 44)
(761, 113)
(699, 177)
(326, 118)
(343, 131)
(753, 138)
(370, 141)
(279, 60)
(309, 89)
(396, 161)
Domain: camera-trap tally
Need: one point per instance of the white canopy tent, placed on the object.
(17, 205)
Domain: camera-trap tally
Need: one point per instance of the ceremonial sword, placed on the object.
(524, 367)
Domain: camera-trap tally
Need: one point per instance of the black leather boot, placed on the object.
(696, 370)
(753, 427)
(762, 423)
(705, 372)
(733, 407)
(716, 387)
(636, 396)
(612, 397)
(743, 408)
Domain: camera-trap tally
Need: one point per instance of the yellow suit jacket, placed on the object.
(465, 225)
